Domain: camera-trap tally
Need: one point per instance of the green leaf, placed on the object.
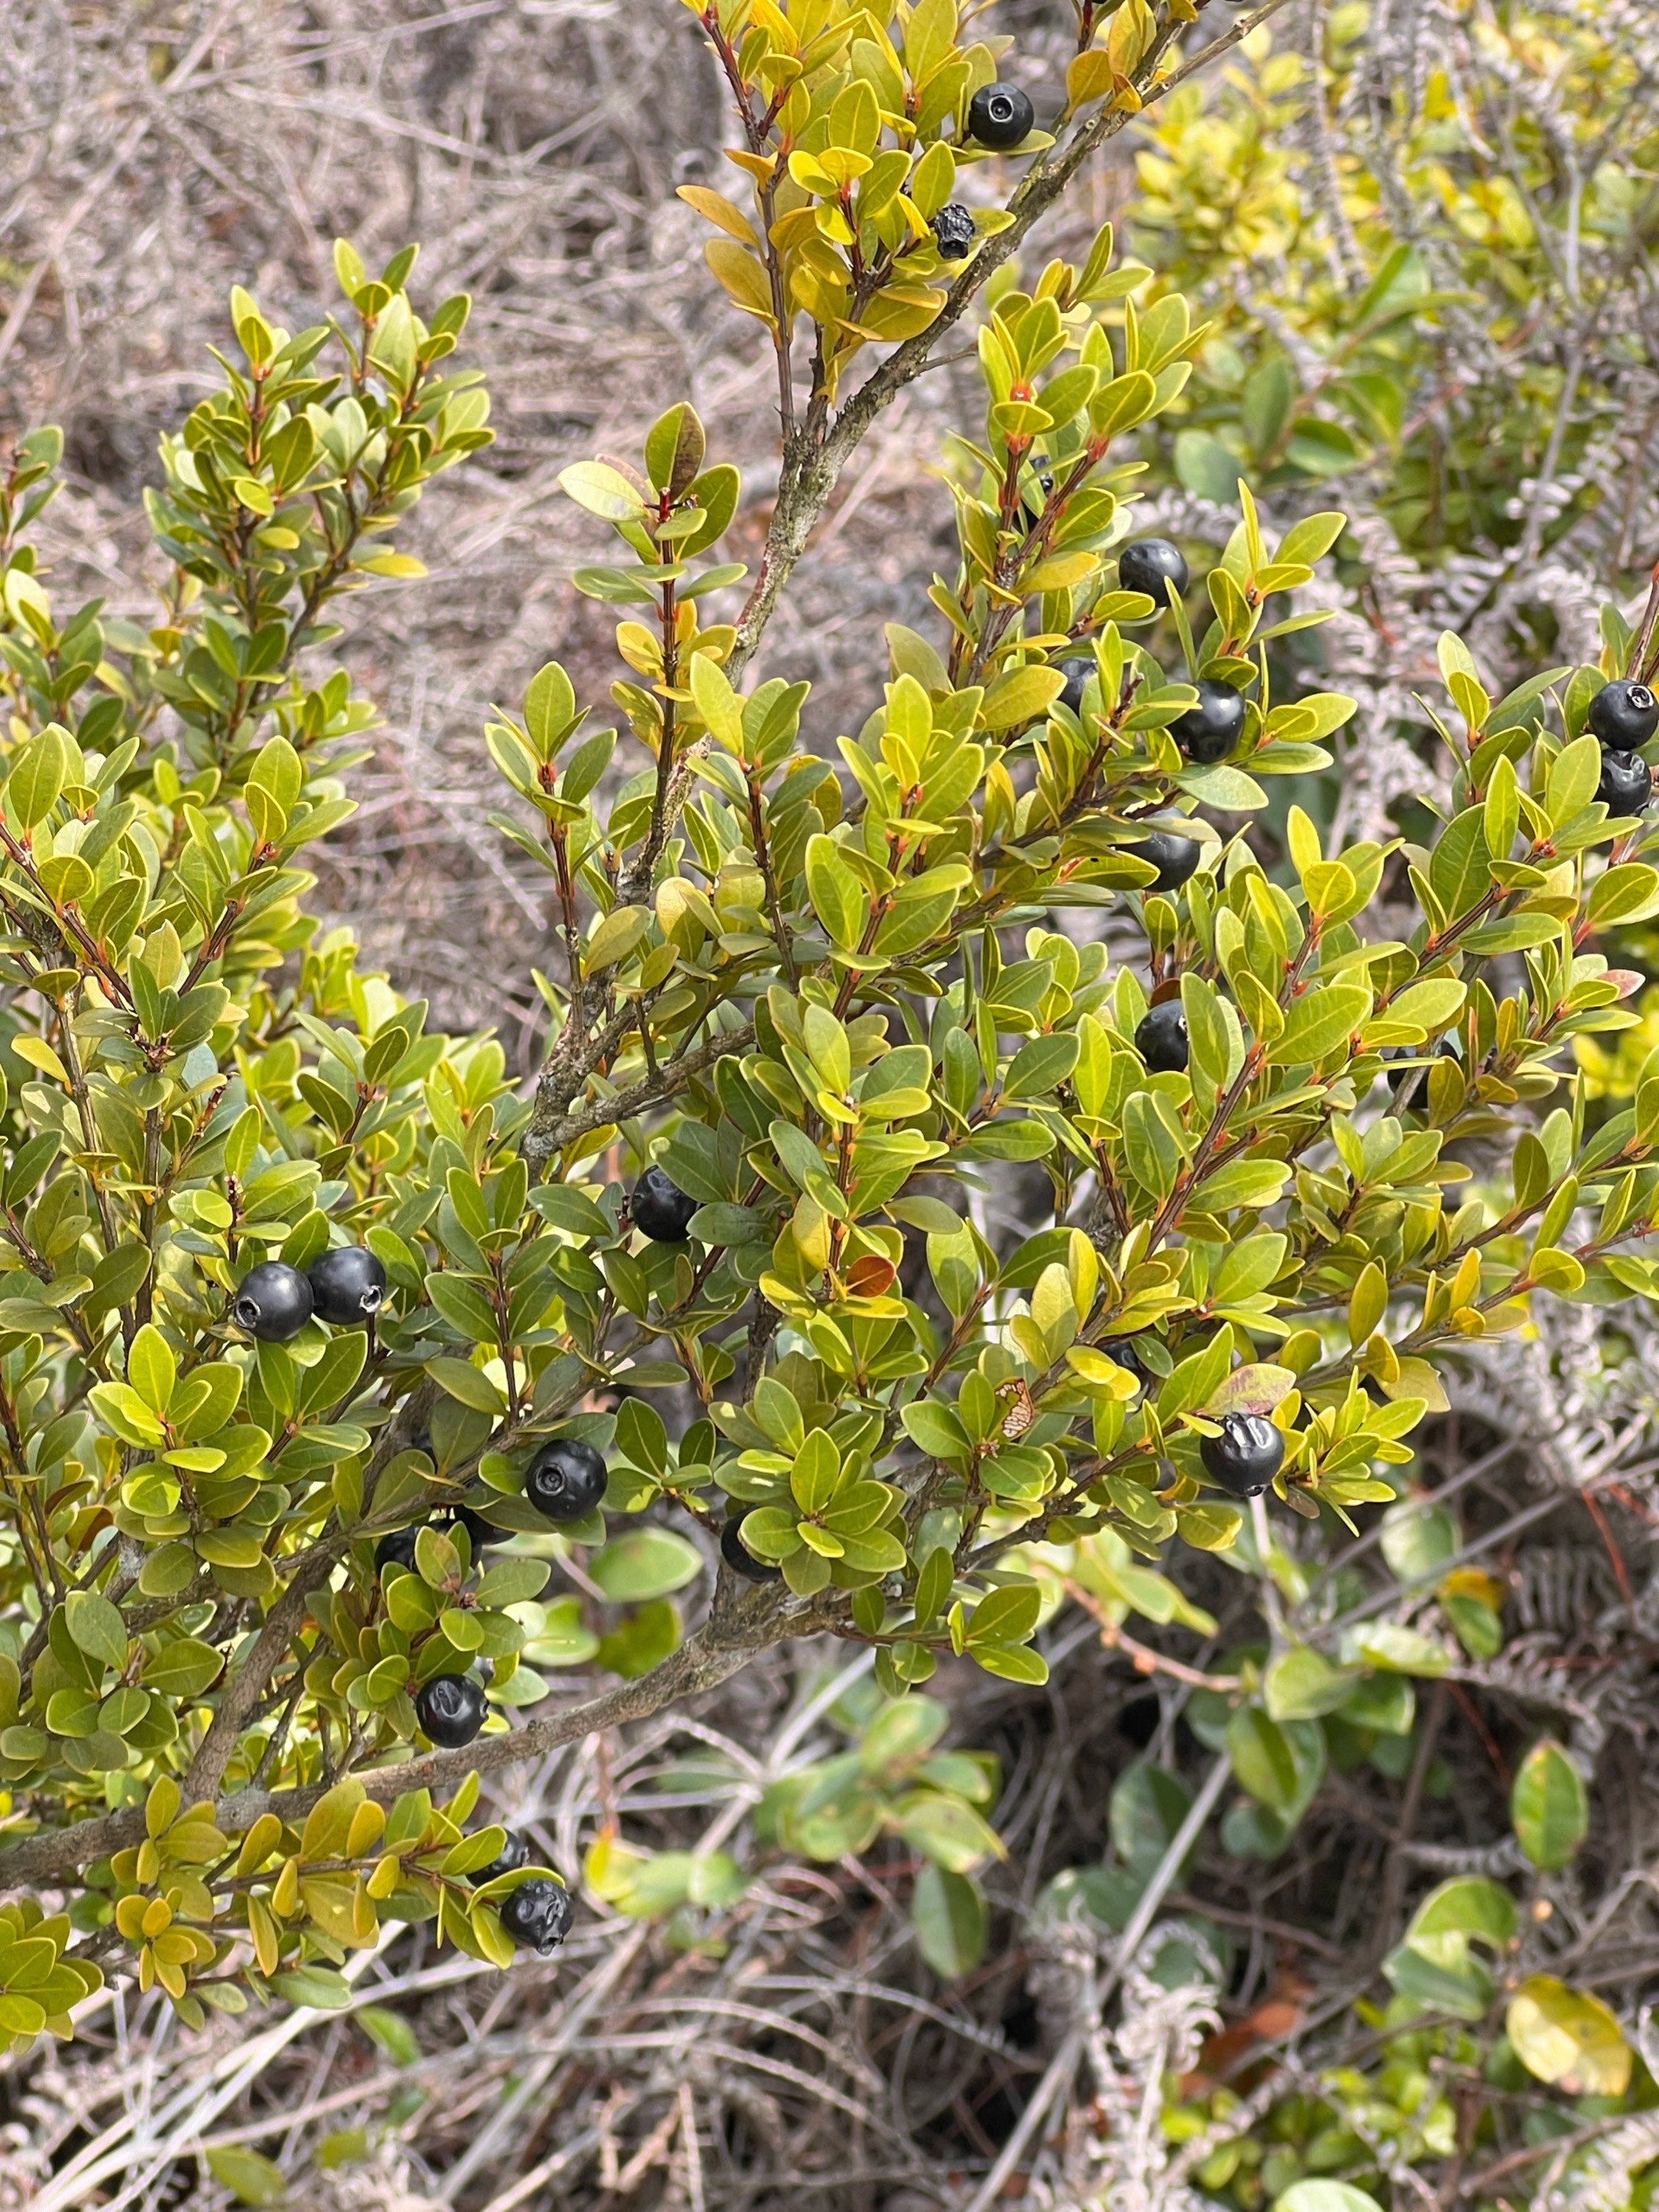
(96, 1626)
(1548, 1806)
(250, 2179)
(1325, 2196)
(951, 1921)
(647, 1563)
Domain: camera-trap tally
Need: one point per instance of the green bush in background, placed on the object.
(1305, 1104)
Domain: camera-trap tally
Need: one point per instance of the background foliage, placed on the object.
(1385, 225)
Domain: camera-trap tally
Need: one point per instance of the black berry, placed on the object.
(1209, 731)
(537, 1914)
(1624, 714)
(347, 1285)
(1161, 1040)
(1153, 565)
(738, 1557)
(480, 1531)
(1123, 1349)
(1410, 1085)
(566, 1480)
(1247, 1454)
(396, 1547)
(1077, 673)
(1626, 783)
(1045, 478)
(512, 1854)
(662, 1209)
(953, 231)
(273, 1302)
(999, 115)
(450, 1709)
(1174, 858)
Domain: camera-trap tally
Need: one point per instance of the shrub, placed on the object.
(803, 1008)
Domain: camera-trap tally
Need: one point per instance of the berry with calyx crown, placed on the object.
(953, 231)
(1626, 783)
(451, 1709)
(1162, 1040)
(1624, 714)
(566, 1480)
(347, 1285)
(1000, 115)
(273, 1302)
(537, 1914)
(1247, 1454)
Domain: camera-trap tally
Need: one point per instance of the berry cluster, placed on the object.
(274, 1301)
(1624, 714)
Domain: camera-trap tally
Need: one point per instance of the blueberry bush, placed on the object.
(350, 1389)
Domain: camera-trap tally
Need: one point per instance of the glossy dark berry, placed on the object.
(1624, 714)
(450, 1709)
(1626, 783)
(1161, 1040)
(953, 231)
(662, 1209)
(1410, 1085)
(397, 1546)
(1209, 731)
(1174, 858)
(1031, 507)
(1123, 1349)
(479, 1532)
(1247, 1454)
(1077, 673)
(1154, 566)
(272, 1303)
(738, 1557)
(347, 1285)
(999, 115)
(537, 1915)
(512, 1854)
(566, 1480)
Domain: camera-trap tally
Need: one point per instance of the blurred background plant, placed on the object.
(1425, 235)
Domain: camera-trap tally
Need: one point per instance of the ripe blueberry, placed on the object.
(1161, 1039)
(1174, 858)
(512, 1854)
(1626, 783)
(566, 1480)
(1624, 714)
(1077, 673)
(1247, 1454)
(450, 1709)
(999, 115)
(1153, 565)
(662, 1209)
(738, 1557)
(537, 1914)
(953, 231)
(273, 1302)
(1209, 731)
(397, 1546)
(347, 1285)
